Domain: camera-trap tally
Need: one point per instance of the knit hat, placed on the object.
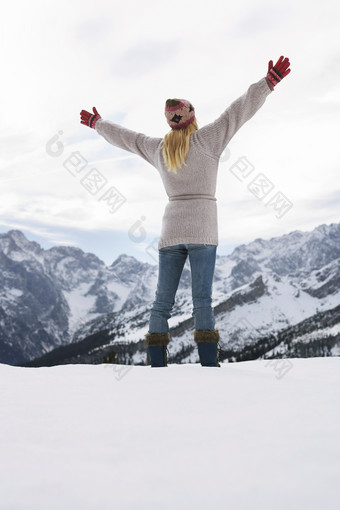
(179, 113)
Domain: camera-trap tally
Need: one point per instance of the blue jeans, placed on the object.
(202, 259)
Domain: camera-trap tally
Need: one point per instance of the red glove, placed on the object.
(279, 71)
(88, 119)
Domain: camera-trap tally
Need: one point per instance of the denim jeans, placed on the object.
(202, 259)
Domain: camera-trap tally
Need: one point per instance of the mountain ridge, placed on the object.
(52, 298)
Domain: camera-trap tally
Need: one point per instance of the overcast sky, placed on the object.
(126, 58)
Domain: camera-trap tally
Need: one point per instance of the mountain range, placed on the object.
(275, 298)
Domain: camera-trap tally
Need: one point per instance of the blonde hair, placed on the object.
(176, 146)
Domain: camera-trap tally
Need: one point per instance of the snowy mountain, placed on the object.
(271, 298)
(45, 295)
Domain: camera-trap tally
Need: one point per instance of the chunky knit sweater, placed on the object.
(190, 215)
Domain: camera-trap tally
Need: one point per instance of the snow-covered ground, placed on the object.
(252, 435)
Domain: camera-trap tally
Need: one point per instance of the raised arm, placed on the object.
(214, 137)
(138, 143)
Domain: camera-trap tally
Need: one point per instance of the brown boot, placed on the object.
(207, 341)
(156, 349)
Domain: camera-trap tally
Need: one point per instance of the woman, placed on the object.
(187, 160)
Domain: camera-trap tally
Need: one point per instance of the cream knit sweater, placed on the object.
(190, 216)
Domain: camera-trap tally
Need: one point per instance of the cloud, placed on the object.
(331, 97)
(95, 30)
(17, 145)
(264, 18)
(126, 58)
(145, 56)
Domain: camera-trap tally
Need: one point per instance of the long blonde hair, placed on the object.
(176, 146)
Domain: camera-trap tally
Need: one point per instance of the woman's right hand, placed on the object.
(279, 71)
(89, 119)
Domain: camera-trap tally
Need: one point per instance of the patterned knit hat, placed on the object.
(179, 113)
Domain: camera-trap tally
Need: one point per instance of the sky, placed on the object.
(126, 58)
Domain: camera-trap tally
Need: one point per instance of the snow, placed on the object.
(122, 290)
(327, 273)
(19, 256)
(320, 333)
(10, 294)
(273, 311)
(243, 436)
(80, 305)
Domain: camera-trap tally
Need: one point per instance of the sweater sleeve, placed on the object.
(138, 143)
(214, 137)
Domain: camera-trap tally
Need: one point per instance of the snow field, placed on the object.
(243, 436)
